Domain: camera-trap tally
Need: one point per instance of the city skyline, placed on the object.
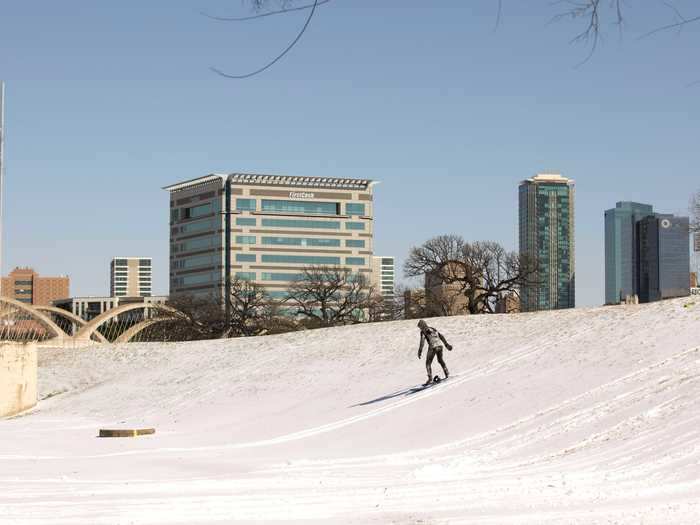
(449, 143)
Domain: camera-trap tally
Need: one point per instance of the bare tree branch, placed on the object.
(258, 5)
(278, 57)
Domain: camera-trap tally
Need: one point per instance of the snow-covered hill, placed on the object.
(580, 416)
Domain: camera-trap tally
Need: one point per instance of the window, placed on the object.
(245, 239)
(200, 226)
(121, 262)
(120, 279)
(300, 259)
(24, 299)
(355, 243)
(355, 261)
(299, 241)
(145, 262)
(388, 261)
(246, 276)
(23, 283)
(246, 221)
(282, 276)
(306, 207)
(245, 205)
(291, 223)
(354, 208)
(246, 257)
(197, 278)
(199, 211)
(23, 291)
(278, 294)
(354, 225)
(197, 260)
(200, 243)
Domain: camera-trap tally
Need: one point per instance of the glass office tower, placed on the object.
(620, 249)
(546, 234)
(663, 257)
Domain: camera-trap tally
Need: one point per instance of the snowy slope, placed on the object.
(580, 416)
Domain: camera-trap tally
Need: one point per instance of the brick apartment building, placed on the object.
(25, 285)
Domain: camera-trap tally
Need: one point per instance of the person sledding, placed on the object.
(433, 338)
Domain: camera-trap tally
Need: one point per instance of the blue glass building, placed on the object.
(620, 249)
(663, 257)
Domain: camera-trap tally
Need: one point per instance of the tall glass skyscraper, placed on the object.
(547, 237)
(663, 267)
(620, 249)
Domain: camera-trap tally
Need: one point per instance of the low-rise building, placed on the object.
(90, 307)
(27, 286)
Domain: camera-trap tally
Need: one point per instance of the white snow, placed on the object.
(578, 416)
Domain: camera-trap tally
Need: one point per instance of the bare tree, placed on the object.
(414, 303)
(252, 312)
(331, 295)
(251, 308)
(481, 271)
(189, 318)
(595, 15)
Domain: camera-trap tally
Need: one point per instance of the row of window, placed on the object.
(299, 241)
(196, 278)
(124, 263)
(200, 226)
(303, 207)
(289, 259)
(197, 260)
(199, 243)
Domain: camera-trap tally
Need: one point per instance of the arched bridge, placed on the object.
(20, 321)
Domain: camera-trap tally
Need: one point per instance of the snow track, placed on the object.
(583, 416)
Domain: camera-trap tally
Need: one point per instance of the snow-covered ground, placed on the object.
(580, 416)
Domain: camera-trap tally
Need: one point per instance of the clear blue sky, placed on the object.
(109, 101)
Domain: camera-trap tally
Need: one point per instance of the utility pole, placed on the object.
(227, 253)
(2, 166)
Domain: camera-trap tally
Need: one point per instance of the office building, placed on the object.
(130, 277)
(546, 235)
(90, 307)
(620, 249)
(25, 285)
(383, 278)
(266, 229)
(663, 257)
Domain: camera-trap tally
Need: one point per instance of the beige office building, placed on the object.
(266, 229)
(130, 277)
(383, 278)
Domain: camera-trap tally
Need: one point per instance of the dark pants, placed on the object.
(432, 352)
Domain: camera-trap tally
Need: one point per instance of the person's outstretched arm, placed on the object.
(447, 345)
(422, 342)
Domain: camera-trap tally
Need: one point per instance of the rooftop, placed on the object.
(276, 180)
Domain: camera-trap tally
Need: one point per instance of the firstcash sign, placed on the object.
(300, 195)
